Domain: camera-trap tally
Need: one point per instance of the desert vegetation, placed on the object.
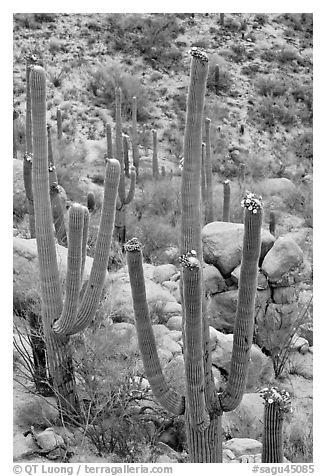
(144, 176)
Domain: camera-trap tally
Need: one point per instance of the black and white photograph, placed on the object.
(162, 241)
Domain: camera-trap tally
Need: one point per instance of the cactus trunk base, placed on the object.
(205, 446)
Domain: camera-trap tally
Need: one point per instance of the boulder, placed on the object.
(175, 323)
(278, 186)
(273, 326)
(260, 366)
(213, 280)
(173, 288)
(284, 257)
(284, 295)
(163, 273)
(221, 308)
(241, 446)
(222, 245)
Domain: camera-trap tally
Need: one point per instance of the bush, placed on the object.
(261, 18)
(270, 86)
(270, 111)
(106, 77)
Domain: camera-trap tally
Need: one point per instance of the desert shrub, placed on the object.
(261, 18)
(271, 86)
(268, 54)
(251, 69)
(287, 55)
(56, 76)
(55, 45)
(298, 437)
(106, 77)
(270, 111)
(237, 52)
(302, 145)
(26, 20)
(232, 24)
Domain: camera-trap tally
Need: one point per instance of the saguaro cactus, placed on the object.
(123, 200)
(59, 123)
(62, 318)
(134, 136)
(90, 202)
(125, 138)
(217, 78)
(209, 214)
(155, 169)
(201, 405)
(226, 200)
(109, 146)
(277, 404)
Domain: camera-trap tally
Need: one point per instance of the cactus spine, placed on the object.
(134, 136)
(202, 406)
(226, 200)
(155, 168)
(59, 123)
(209, 175)
(64, 318)
(277, 404)
(120, 219)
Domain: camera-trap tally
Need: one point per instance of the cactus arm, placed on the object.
(166, 396)
(131, 193)
(155, 169)
(135, 154)
(52, 170)
(208, 167)
(126, 154)
(244, 322)
(226, 200)
(73, 278)
(191, 243)
(49, 274)
(59, 123)
(90, 202)
(84, 242)
(96, 280)
(118, 144)
(109, 148)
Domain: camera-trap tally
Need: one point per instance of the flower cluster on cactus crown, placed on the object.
(133, 245)
(281, 398)
(252, 202)
(31, 58)
(198, 53)
(28, 157)
(189, 260)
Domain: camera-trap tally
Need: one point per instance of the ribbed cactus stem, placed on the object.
(135, 152)
(109, 146)
(126, 155)
(191, 242)
(277, 404)
(272, 223)
(226, 200)
(132, 186)
(52, 170)
(155, 169)
(90, 202)
(209, 174)
(166, 396)
(203, 175)
(59, 123)
(244, 321)
(118, 143)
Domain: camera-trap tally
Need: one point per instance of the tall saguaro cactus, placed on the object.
(123, 199)
(134, 136)
(59, 123)
(125, 138)
(277, 404)
(155, 168)
(109, 145)
(64, 317)
(201, 405)
(209, 175)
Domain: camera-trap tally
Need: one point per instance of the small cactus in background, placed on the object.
(59, 124)
(62, 318)
(15, 116)
(202, 405)
(90, 202)
(242, 129)
(134, 137)
(272, 223)
(216, 78)
(125, 138)
(277, 404)
(155, 168)
(109, 145)
(123, 200)
(163, 171)
(209, 212)
(226, 200)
